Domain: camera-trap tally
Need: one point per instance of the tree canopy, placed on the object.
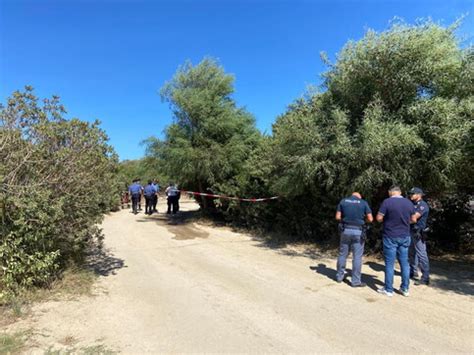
(396, 107)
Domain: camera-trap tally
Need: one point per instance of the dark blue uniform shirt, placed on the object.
(135, 189)
(397, 212)
(422, 208)
(149, 190)
(353, 210)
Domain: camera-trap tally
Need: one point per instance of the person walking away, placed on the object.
(352, 213)
(149, 193)
(135, 190)
(140, 197)
(396, 213)
(172, 196)
(418, 254)
(156, 186)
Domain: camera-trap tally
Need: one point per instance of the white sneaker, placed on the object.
(383, 291)
(404, 292)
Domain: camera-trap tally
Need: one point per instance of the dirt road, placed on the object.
(171, 285)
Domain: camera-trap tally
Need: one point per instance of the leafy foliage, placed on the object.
(57, 179)
(211, 138)
(147, 168)
(396, 107)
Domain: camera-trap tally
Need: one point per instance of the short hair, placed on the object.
(395, 188)
(149, 182)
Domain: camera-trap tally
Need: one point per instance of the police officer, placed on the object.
(352, 212)
(418, 254)
(172, 197)
(140, 196)
(150, 194)
(135, 190)
(156, 187)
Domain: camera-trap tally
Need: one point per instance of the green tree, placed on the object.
(397, 108)
(211, 138)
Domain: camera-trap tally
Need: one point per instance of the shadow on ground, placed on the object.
(372, 281)
(103, 262)
(285, 246)
(447, 275)
(182, 224)
(452, 275)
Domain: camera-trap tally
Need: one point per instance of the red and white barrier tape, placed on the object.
(230, 197)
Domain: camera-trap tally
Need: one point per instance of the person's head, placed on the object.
(415, 194)
(357, 194)
(394, 190)
(149, 182)
(171, 184)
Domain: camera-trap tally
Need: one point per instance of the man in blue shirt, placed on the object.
(417, 253)
(396, 213)
(156, 187)
(150, 193)
(352, 213)
(135, 191)
(173, 195)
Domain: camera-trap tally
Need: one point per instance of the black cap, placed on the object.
(415, 191)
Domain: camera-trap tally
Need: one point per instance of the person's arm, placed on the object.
(415, 217)
(338, 212)
(368, 213)
(381, 213)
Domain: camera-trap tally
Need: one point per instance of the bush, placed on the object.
(57, 180)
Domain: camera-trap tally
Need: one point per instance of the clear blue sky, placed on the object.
(108, 59)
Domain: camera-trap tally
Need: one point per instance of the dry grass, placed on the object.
(68, 340)
(13, 343)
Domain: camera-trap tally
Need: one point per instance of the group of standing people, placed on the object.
(403, 232)
(150, 192)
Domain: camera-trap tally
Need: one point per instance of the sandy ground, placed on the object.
(170, 285)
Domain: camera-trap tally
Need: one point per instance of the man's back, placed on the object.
(353, 210)
(149, 190)
(396, 211)
(135, 189)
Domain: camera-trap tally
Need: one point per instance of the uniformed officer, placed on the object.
(140, 196)
(135, 190)
(156, 186)
(352, 213)
(150, 194)
(172, 197)
(418, 254)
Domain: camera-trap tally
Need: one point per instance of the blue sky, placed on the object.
(107, 59)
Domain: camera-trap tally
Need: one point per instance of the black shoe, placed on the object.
(362, 284)
(421, 282)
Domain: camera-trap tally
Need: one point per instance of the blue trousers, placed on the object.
(350, 240)
(419, 259)
(396, 248)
